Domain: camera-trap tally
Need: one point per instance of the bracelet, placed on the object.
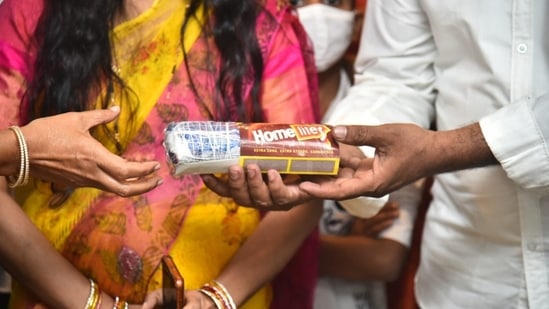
(94, 299)
(219, 294)
(23, 176)
(119, 304)
(98, 305)
(206, 291)
(226, 294)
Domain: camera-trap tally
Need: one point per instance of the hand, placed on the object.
(62, 150)
(404, 153)
(247, 186)
(371, 227)
(194, 298)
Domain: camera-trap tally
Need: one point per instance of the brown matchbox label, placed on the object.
(289, 148)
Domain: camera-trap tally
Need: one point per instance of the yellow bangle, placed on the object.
(119, 304)
(95, 296)
(23, 176)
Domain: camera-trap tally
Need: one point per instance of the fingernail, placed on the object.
(159, 182)
(115, 108)
(234, 173)
(251, 172)
(340, 132)
(271, 175)
(157, 167)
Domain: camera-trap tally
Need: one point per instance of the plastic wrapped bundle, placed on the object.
(202, 146)
(211, 147)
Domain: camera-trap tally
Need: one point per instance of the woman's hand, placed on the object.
(194, 300)
(62, 150)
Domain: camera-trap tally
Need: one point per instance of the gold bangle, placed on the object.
(218, 303)
(225, 293)
(119, 304)
(95, 296)
(23, 176)
(98, 303)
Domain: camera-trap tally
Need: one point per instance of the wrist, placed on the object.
(10, 150)
(461, 148)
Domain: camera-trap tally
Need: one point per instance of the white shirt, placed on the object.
(452, 63)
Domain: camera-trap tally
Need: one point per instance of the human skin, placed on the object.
(62, 150)
(404, 154)
(29, 257)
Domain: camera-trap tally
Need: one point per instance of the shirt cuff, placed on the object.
(516, 140)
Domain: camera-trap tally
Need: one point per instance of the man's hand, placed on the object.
(400, 158)
(62, 150)
(404, 154)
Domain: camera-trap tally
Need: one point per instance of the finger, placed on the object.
(389, 209)
(126, 188)
(390, 206)
(99, 116)
(358, 135)
(122, 169)
(258, 189)
(238, 186)
(349, 188)
(152, 299)
(131, 169)
(380, 227)
(216, 185)
(284, 196)
(139, 187)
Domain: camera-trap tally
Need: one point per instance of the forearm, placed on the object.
(269, 249)
(361, 258)
(458, 149)
(27, 255)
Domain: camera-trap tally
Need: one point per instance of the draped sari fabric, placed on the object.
(119, 241)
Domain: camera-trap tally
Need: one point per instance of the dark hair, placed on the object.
(235, 37)
(74, 63)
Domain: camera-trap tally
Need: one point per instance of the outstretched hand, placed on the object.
(249, 187)
(62, 150)
(402, 156)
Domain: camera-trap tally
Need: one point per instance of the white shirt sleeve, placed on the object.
(394, 78)
(518, 136)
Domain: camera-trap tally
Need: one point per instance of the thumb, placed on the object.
(358, 135)
(101, 116)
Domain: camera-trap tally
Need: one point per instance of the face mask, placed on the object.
(330, 30)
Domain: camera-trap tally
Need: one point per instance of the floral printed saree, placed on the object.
(119, 241)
